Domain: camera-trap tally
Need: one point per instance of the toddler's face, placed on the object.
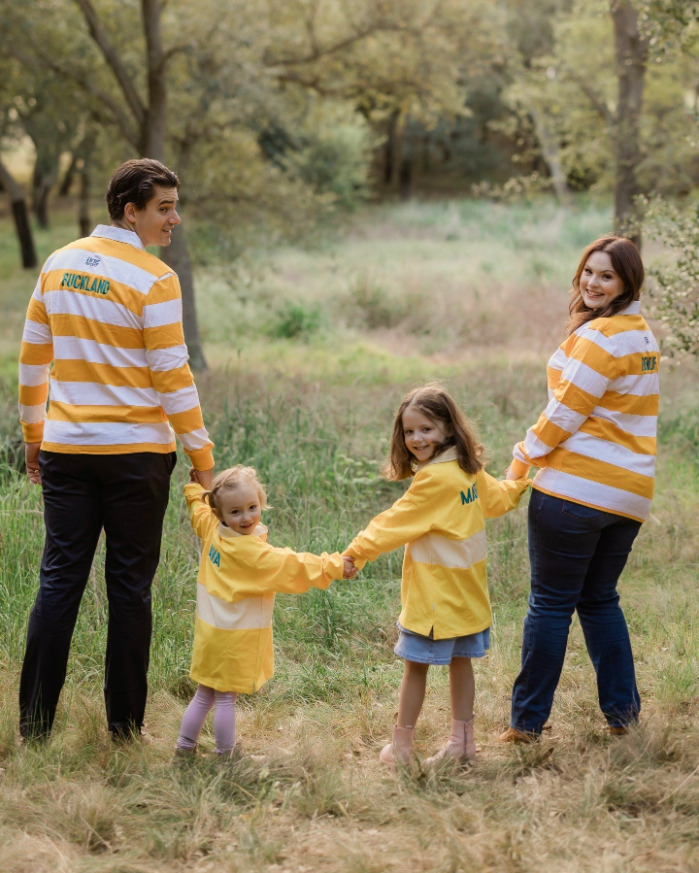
(240, 509)
(422, 435)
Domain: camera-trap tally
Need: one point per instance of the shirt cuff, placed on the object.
(202, 459)
(519, 468)
(33, 433)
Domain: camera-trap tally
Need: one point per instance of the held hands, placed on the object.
(509, 474)
(349, 570)
(201, 477)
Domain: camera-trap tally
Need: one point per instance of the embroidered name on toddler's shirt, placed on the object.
(214, 557)
(470, 495)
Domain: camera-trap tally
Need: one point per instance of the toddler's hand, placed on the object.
(349, 570)
(193, 475)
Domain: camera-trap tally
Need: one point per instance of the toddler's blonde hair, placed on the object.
(230, 480)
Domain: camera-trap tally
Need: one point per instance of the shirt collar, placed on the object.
(632, 309)
(118, 234)
(226, 532)
(447, 455)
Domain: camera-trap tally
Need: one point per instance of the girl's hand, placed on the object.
(349, 570)
(193, 475)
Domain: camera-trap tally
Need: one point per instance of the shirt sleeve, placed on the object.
(287, 572)
(585, 377)
(167, 357)
(35, 357)
(499, 496)
(409, 518)
(200, 514)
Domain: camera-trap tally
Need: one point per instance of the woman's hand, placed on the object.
(31, 459)
(510, 474)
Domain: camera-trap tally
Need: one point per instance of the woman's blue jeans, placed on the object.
(576, 554)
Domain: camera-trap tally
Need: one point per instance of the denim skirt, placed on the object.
(425, 650)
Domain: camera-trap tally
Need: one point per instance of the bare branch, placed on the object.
(597, 102)
(113, 60)
(343, 44)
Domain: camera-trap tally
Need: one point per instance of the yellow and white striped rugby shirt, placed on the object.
(109, 316)
(596, 440)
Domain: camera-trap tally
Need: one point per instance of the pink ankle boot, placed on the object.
(460, 746)
(400, 749)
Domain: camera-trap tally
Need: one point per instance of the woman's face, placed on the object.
(599, 283)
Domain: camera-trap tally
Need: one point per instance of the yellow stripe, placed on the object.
(122, 252)
(33, 395)
(164, 337)
(104, 414)
(131, 448)
(90, 329)
(202, 459)
(550, 433)
(184, 422)
(606, 430)
(600, 471)
(621, 323)
(101, 374)
(589, 353)
(575, 398)
(36, 311)
(630, 404)
(120, 293)
(165, 291)
(36, 353)
(33, 433)
(172, 380)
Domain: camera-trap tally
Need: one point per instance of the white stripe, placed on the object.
(597, 337)
(73, 348)
(534, 447)
(33, 374)
(643, 385)
(32, 414)
(195, 439)
(114, 269)
(162, 360)
(96, 394)
(433, 548)
(603, 450)
(585, 377)
(98, 308)
(558, 359)
(35, 333)
(36, 293)
(181, 400)
(159, 314)
(563, 416)
(626, 342)
(248, 614)
(595, 493)
(636, 425)
(113, 433)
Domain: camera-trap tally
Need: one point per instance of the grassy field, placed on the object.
(310, 353)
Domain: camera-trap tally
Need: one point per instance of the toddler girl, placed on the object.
(238, 575)
(445, 617)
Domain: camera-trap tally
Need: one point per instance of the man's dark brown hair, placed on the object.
(134, 182)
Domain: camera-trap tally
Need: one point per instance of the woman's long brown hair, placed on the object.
(434, 403)
(628, 266)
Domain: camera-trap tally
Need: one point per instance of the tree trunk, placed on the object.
(21, 218)
(84, 201)
(176, 255)
(40, 202)
(156, 113)
(631, 58)
(67, 182)
(389, 150)
(405, 178)
(552, 157)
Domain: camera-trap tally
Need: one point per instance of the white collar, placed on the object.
(226, 532)
(118, 234)
(632, 309)
(447, 455)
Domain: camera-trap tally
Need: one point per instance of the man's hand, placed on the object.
(203, 477)
(349, 570)
(31, 459)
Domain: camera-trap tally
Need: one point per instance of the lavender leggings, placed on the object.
(195, 716)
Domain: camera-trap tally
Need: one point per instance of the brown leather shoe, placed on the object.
(512, 735)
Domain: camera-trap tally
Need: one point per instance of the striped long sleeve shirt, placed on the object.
(108, 315)
(596, 440)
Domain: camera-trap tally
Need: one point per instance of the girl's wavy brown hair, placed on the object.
(434, 403)
(628, 266)
(230, 480)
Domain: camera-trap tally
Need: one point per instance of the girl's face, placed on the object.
(239, 509)
(599, 283)
(422, 435)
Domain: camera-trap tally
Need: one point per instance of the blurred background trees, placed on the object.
(280, 116)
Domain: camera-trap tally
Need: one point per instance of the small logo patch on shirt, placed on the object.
(81, 282)
(470, 495)
(92, 262)
(649, 363)
(214, 556)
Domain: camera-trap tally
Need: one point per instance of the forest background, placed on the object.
(374, 194)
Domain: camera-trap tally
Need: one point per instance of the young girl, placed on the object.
(445, 617)
(238, 575)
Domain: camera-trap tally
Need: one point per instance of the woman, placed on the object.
(595, 445)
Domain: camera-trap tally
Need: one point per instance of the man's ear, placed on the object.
(130, 213)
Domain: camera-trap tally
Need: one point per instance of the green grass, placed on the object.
(313, 411)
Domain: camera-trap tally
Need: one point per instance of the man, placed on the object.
(109, 316)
